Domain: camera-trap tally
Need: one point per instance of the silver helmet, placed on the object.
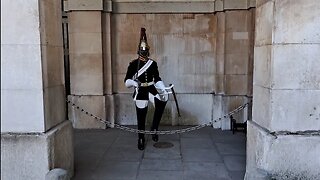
(143, 48)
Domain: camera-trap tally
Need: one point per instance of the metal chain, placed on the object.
(178, 131)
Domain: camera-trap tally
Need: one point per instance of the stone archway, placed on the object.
(207, 52)
(283, 142)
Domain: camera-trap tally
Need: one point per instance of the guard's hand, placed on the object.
(131, 83)
(160, 87)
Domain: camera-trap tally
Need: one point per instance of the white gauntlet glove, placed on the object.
(160, 87)
(131, 83)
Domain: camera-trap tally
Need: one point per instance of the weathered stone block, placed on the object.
(125, 112)
(220, 48)
(236, 64)
(198, 24)
(191, 6)
(295, 110)
(219, 84)
(21, 67)
(298, 16)
(26, 21)
(236, 84)
(282, 156)
(85, 5)
(238, 21)
(84, 22)
(19, 152)
(61, 147)
(167, 23)
(85, 43)
(262, 100)
(264, 24)
(282, 105)
(220, 64)
(232, 4)
(52, 65)
(92, 104)
(110, 108)
(86, 74)
(263, 66)
(123, 23)
(195, 108)
(234, 46)
(296, 66)
(29, 104)
(50, 23)
(221, 24)
(55, 105)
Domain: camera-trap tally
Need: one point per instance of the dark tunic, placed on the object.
(150, 75)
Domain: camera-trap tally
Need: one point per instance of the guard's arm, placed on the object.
(127, 80)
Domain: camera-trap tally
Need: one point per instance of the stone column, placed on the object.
(86, 62)
(235, 32)
(284, 135)
(107, 61)
(35, 135)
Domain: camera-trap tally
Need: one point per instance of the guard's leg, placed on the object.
(142, 109)
(159, 109)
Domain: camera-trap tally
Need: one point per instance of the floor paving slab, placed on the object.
(123, 154)
(237, 175)
(205, 170)
(112, 154)
(161, 164)
(235, 148)
(116, 170)
(235, 163)
(201, 155)
(191, 143)
(168, 153)
(160, 175)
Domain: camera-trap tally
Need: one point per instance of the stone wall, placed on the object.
(284, 134)
(207, 53)
(206, 56)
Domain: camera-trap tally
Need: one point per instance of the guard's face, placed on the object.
(144, 49)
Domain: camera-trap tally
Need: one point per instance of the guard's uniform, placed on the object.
(144, 76)
(147, 79)
(147, 92)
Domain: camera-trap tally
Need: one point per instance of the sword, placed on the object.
(175, 99)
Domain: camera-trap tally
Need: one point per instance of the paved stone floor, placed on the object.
(205, 154)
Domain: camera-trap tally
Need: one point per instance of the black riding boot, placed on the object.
(141, 118)
(159, 108)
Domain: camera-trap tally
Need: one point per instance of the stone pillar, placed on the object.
(284, 135)
(86, 62)
(235, 32)
(107, 61)
(35, 135)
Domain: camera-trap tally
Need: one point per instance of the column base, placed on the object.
(32, 155)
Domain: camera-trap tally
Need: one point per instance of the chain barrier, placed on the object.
(178, 131)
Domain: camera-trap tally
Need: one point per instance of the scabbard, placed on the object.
(175, 100)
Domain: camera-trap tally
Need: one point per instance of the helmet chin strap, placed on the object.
(143, 58)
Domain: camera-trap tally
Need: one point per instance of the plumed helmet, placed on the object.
(143, 48)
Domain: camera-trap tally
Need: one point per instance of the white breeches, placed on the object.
(144, 103)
